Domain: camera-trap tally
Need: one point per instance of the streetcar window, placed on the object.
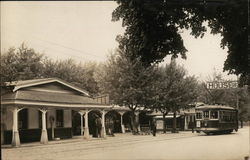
(226, 116)
(206, 114)
(214, 114)
(233, 116)
(198, 115)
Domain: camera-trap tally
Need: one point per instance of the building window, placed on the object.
(199, 115)
(59, 118)
(214, 114)
(206, 114)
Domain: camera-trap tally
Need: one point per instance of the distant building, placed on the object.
(184, 120)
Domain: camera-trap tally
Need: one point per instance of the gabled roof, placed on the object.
(28, 83)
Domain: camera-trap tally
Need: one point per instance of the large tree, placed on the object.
(128, 83)
(177, 90)
(25, 63)
(81, 75)
(174, 90)
(152, 28)
(21, 64)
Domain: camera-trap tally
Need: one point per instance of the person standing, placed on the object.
(98, 126)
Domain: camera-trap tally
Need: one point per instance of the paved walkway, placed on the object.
(68, 148)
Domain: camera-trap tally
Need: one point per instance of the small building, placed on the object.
(45, 109)
(184, 120)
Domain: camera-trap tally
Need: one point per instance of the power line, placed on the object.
(57, 44)
(63, 46)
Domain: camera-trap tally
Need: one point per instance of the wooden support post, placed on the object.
(44, 135)
(138, 121)
(186, 122)
(103, 132)
(86, 127)
(81, 114)
(15, 132)
(122, 125)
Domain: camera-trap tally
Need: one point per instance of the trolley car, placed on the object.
(216, 119)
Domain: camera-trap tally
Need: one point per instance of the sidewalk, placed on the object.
(117, 137)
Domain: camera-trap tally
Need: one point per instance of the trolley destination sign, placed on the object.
(222, 84)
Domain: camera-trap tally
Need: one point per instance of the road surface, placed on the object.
(183, 145)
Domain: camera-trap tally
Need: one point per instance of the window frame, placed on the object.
(201, 114)
(210, 115)
(204, 114)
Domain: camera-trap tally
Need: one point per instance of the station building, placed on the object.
(46, 109)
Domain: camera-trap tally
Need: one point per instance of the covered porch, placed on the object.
(45, 109)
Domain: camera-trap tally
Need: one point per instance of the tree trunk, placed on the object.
(174, 123)
(164, 123)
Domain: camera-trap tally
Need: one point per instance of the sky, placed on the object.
(83, 31)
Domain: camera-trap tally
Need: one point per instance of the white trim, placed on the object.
(50, 81)
(85, 106)
(168, 116)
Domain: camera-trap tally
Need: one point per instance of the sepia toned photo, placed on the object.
(125, 80)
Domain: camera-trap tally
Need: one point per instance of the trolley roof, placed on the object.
(205, 106)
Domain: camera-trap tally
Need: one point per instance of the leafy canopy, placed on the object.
(153, 28)
(25, 63)
(174, 89)
(127, 82)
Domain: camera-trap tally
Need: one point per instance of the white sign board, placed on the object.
(222, 85)
(159, 124)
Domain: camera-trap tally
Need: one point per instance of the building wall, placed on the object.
(67, 118)
(52, 87)
(33, 118)
(8, 119)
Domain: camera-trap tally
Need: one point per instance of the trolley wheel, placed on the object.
(236, 130)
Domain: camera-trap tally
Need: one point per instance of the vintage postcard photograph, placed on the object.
(125, 80)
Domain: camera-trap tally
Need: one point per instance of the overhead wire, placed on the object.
(63, 46)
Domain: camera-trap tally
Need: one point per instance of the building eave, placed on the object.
(50, 80)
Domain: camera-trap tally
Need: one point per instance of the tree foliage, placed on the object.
(152, 28)
(127, 82)
(174, 90)
(21, 64)
(24, 63)
(81, 75)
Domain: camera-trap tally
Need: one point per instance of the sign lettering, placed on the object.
(222, 85)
